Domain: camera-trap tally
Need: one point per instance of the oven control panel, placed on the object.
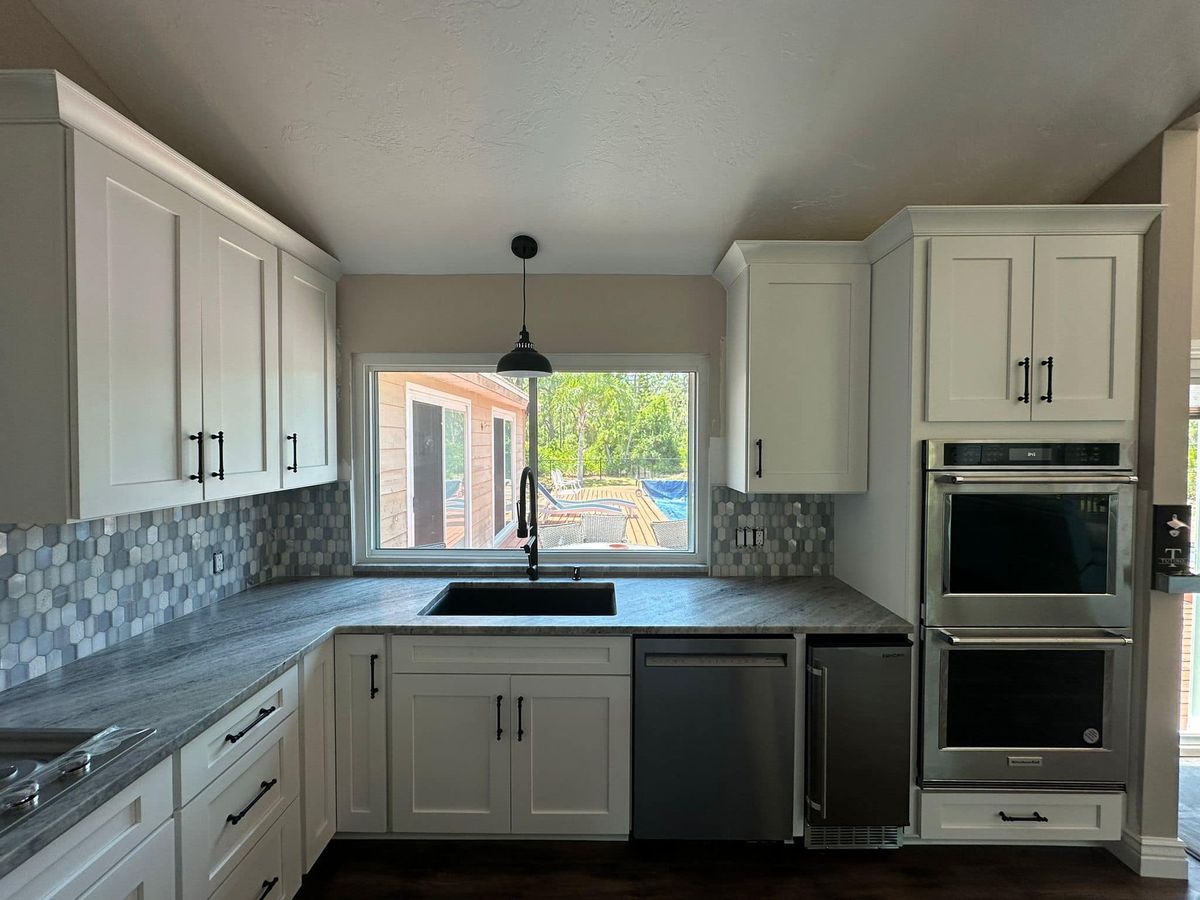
(1003, 455)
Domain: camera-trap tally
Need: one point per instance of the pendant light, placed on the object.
(523, 361)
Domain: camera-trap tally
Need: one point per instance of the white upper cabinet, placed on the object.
(138, 335)
(241, 360)
(308, 362)
(141, 317)
(980, 327)
(1025, 328)
(797, 358)
(1085, 326)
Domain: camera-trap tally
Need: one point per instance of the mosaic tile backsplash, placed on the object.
(798, 534)
(67, 591)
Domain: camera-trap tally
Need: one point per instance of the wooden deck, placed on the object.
(637, 530)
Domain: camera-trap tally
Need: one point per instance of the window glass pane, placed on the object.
(451, 445)
(614, 472)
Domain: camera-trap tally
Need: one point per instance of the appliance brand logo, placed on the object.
(894, 655)
(1025, 761)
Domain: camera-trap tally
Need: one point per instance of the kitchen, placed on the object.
(831, 551)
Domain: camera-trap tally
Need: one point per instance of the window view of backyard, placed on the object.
(612, 452)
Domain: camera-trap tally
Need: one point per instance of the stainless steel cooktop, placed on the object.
(39, 765)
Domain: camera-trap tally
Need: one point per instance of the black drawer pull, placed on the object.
(262, 714)
(267, 886)
(499, 730)
(198, 437)
(1036, 817)
(295, 439)
(219, 437)
(234, 818)
(758, 471)
(520, 726)
(374, 690)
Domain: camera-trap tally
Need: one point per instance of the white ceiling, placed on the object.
(634, 136)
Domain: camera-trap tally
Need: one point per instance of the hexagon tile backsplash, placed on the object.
(67, 591)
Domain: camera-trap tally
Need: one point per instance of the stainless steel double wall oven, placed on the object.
(1027, 612)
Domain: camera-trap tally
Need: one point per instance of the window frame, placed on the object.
(364, 442)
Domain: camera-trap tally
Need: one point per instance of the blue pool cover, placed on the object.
(669, 495)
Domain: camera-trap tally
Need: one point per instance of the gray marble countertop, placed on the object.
(181, 677)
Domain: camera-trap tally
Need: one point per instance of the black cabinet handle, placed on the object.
(267, 886)
(234, 818)
(219, 437)
(758, 471)
(499, 730)
(1024, 364)
(1048, 362)
(198, 437)
(295, 466)
(1036, 817)
(520, 727)
(374, 690)
(262, 714)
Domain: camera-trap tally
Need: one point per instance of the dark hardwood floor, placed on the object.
(363, 870)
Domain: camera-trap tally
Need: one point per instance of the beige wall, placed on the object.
(567, 314)
(28, 41)
(1165, 171)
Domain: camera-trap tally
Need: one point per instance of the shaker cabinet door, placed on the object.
(308, 363)
(980, 328)
(361, 732)
(137, 326)
(1085, 327)
(241, 360)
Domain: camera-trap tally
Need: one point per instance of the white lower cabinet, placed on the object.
(148, 873)
(84, 860)
(361, 726)
(571, 754)
(451, 748)
(1027, 817)
(318, 797)
(510, 754)
(272, 867)
(226, 819)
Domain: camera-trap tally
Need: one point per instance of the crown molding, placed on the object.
(743, 253)
(40, 96)
(1084, 218)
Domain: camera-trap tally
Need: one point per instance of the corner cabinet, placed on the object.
(1039, 328)
(796, 366)
(360, 675)
(141, 320)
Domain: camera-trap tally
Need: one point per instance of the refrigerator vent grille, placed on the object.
(852, 837)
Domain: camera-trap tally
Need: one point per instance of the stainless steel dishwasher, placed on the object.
(714, 737)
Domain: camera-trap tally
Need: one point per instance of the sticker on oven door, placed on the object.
(1090, 736)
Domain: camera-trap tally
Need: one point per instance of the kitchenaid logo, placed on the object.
(893, 656)
(1024, 760)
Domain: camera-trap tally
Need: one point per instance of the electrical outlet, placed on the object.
(760, 537)
(218, 562)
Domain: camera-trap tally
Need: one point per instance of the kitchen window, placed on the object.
(614, 442)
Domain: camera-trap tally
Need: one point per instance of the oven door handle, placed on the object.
(1106, 640)
(1037, 479)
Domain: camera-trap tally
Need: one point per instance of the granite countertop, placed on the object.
(181, 677)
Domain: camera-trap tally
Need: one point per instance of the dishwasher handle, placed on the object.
(702, 660)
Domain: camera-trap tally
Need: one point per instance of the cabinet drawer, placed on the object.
(88, 849)
(147, 872)
(982, 817)
(227, 819)
(532, 655)
(272, 865)
(225, 741)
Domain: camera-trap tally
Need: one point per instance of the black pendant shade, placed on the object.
(523, 361)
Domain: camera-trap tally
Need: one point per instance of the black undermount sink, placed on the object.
(523, 598)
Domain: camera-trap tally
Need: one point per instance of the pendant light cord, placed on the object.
(523, 329)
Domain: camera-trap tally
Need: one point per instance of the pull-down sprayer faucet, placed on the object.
(527, 522)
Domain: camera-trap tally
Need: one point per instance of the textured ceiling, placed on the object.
(636, 136)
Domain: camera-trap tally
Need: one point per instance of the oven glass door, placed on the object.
(1008, 706)
(1024, 555)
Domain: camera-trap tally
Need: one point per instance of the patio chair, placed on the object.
(599, 504)
(550, 536)
(605, 529)
(671, 535)
(563, 487)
